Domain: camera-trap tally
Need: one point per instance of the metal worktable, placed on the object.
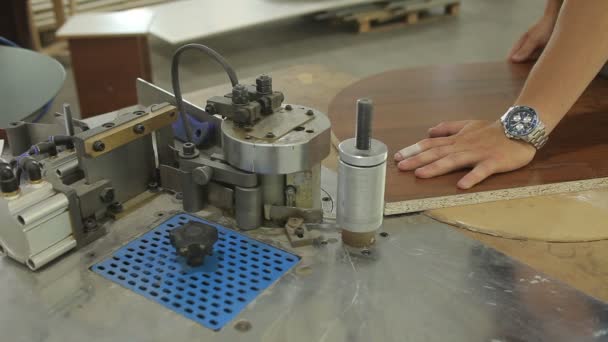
(424, 282)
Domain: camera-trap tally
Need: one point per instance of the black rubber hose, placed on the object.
(62, 140)
(176, 84)
(45, 147)
(32, 167)
(8, 182)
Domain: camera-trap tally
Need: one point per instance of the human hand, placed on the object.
(533, 42)
(480, 145)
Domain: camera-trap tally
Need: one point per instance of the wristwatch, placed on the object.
(523, 123)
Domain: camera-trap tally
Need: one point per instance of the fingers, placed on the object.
(446, 129)
(480, 172)
(421, 146)
(525, 51)
(518, 45)
(425, 158)
(447, 164)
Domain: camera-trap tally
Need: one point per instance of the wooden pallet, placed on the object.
(390, 14)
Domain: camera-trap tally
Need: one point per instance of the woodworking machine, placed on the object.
(247, 153)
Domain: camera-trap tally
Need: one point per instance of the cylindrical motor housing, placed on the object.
(361, 180)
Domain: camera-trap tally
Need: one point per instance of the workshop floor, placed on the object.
(484, 31)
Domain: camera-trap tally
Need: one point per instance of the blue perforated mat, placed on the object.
(213, 294)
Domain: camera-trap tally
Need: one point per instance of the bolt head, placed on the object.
(99, 146)
(288, 107)
(139, 129)
(310, 112)
(270, 135)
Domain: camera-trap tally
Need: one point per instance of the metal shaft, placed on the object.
(365, 112)
(67, 115)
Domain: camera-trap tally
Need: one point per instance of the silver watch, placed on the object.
(523, 123)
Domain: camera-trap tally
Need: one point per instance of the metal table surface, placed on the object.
(423, 282)
(28, 80)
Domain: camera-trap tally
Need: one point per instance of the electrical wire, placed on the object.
(176, 84)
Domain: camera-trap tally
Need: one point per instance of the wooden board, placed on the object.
(45, 11)
(187, 20)
(105, 70)
(133, 22)
(408, 102)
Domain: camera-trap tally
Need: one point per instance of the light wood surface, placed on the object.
(134, 22)
(182, 21)
(408, 102)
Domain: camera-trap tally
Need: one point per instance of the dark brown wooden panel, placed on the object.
(410, 101)
(105, 70)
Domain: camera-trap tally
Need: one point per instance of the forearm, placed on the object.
(553, 6)
(574, 55)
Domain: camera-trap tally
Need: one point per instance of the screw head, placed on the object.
(242, 326)
(270, 135)
(288, 107)
(99, 146)
(139, 129)
(310, 112)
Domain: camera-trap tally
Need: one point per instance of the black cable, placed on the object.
(175, 78)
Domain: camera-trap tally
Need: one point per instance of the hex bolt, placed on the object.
(107, 195)
(240, 95)
(310, 112)
(365, 112)
(99, 146)
(188, 149)
(139, 128)
(264, 84)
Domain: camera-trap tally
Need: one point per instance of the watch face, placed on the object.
(521, 121)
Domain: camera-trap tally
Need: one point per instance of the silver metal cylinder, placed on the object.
(43, 210)
(361, 180)
(248, 207)
(67, 115)
(273, 188)
(51, 253)
(68, 168)
(193, 194)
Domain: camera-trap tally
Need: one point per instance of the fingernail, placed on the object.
(398, 156)
(463, 186)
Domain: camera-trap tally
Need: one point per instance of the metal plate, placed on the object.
(213, 294)
(280, 123)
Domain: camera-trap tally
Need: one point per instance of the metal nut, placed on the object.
(107, 195)
(99, 146)
(139, 129)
